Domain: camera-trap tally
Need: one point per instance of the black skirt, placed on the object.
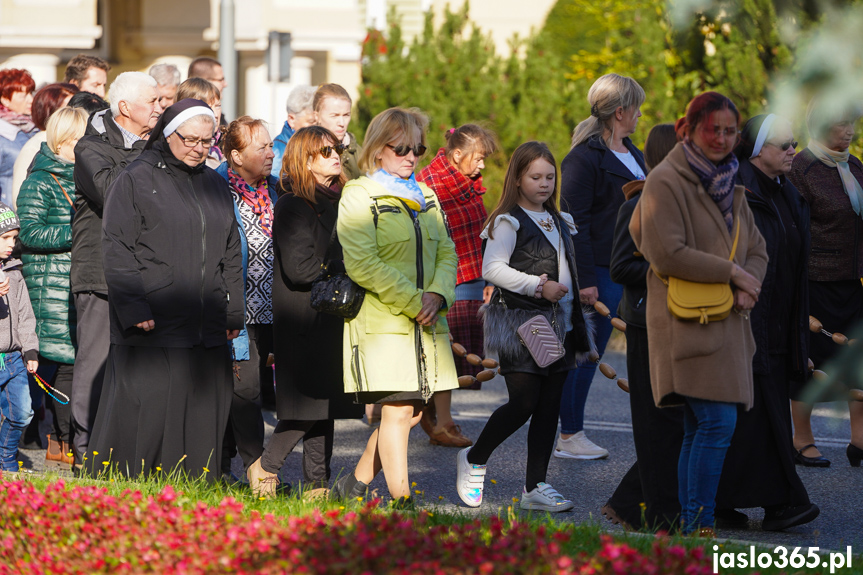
(163, 409)
(365, 397)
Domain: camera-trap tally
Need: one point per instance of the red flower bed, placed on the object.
(85, 530)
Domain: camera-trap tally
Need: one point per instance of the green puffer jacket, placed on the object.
(46, 235)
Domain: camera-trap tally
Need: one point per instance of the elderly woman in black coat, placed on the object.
(308, 344)
(173, 267)
(759, 467)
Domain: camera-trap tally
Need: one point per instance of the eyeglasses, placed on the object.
(727, 133)
(207, 143)
(785, 145)
(325, 151)
(402, 150)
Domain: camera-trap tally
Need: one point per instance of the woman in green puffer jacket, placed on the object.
(45, 210)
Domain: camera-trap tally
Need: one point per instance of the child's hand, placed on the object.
(553, 291)
(32, 365)
(4, 287)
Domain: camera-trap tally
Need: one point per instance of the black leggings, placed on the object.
(533, 397)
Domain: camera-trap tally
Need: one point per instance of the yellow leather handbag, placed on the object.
(704, 302)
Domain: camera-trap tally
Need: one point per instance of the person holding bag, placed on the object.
(533, 322)
(309, 394)
(685, 225)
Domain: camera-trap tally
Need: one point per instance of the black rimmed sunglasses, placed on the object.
(402, 150)
(325, 151)
(785, 145)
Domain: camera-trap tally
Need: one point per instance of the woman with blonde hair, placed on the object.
(602, 160)
(309, 394)
(45, 210)
(332, 106)
(395, 245)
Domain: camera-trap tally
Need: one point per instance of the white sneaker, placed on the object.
(544, 497)
(578, 447)
(470, 479)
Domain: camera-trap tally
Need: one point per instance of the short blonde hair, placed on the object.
(389, 126)
(65, 125)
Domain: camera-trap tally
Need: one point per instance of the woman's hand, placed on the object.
(148, 325)
(432, 303)
(587, 296)
(233, 334)
(743, 301)
(4, 287)
(746, 282)
(486, 293)
(32, 365)
(553, 291)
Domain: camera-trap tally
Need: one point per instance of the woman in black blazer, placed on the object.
(308, 344)
(602, 160)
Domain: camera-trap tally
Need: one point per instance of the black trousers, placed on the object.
(245, 431)
(94, 341)
(658, 435)
(61, 380)
(534, 397)
(317, 439)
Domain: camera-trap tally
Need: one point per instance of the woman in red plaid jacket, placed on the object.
(454, 175)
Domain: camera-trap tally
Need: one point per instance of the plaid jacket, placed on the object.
(461, 202)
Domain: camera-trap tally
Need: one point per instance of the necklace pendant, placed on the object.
(547, 225)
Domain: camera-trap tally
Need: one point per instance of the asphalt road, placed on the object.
(838, 490)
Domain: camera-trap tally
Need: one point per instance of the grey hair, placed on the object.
(300, 99)
(165, 74)
(127, 87)
(608, 93)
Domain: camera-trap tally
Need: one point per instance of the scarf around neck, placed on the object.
(256, 198)
(406, 189)
(718, 180)
(21, 121)
(839, 160)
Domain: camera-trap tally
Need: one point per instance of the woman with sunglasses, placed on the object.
(308, 344)
(174, 272)
(248, 151)
(759, 467)
(830, 179)
(395, 245)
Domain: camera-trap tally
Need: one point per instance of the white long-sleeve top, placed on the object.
(498, 250)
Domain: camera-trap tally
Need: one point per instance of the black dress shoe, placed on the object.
(731, 519)
(785, 516)
(801, 459)
(855, 455)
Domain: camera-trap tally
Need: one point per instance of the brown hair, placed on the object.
(303, 145)
(521, 160)
(76, 69)
(202, 66)
(329, 91)
(199, 89)
(470, 139)
(660, 141)
(387, 127)
(238, 136)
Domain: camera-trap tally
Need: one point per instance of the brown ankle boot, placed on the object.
(54, 453)
(68, 457)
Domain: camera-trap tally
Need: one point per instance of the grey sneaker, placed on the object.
(470, 480)
(544, 497)
(578, 447)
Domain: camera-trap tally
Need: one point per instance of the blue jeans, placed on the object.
(15, 408)
(578, 381)
(707, 430)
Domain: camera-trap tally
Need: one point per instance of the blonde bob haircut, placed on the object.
(607, 94)
(65, 125)
(394, 126)
(199, 89)
(303, 146)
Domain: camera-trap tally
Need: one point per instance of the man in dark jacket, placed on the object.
(113, 140)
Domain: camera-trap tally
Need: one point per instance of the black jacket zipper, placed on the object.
(203, 257)
(420, 282)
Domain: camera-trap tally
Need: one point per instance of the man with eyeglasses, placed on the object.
(113, 140)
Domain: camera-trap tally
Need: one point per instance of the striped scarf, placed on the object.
(718, 180)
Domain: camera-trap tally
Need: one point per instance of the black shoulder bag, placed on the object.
(336, 293)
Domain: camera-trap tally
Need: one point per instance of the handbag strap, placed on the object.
(71, 203)
(730, 258)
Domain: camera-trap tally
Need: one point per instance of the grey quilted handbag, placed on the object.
(538, 336)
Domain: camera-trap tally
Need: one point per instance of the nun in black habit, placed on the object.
(759, 468)
(174, 271)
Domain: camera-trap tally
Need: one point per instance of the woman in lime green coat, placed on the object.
(395, 245)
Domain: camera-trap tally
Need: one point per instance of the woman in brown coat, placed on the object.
(685, 225)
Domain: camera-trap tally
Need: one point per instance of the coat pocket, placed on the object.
(158, 278)
(691, 339)
(393, 226)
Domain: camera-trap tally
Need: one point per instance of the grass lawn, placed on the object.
(53, 525)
